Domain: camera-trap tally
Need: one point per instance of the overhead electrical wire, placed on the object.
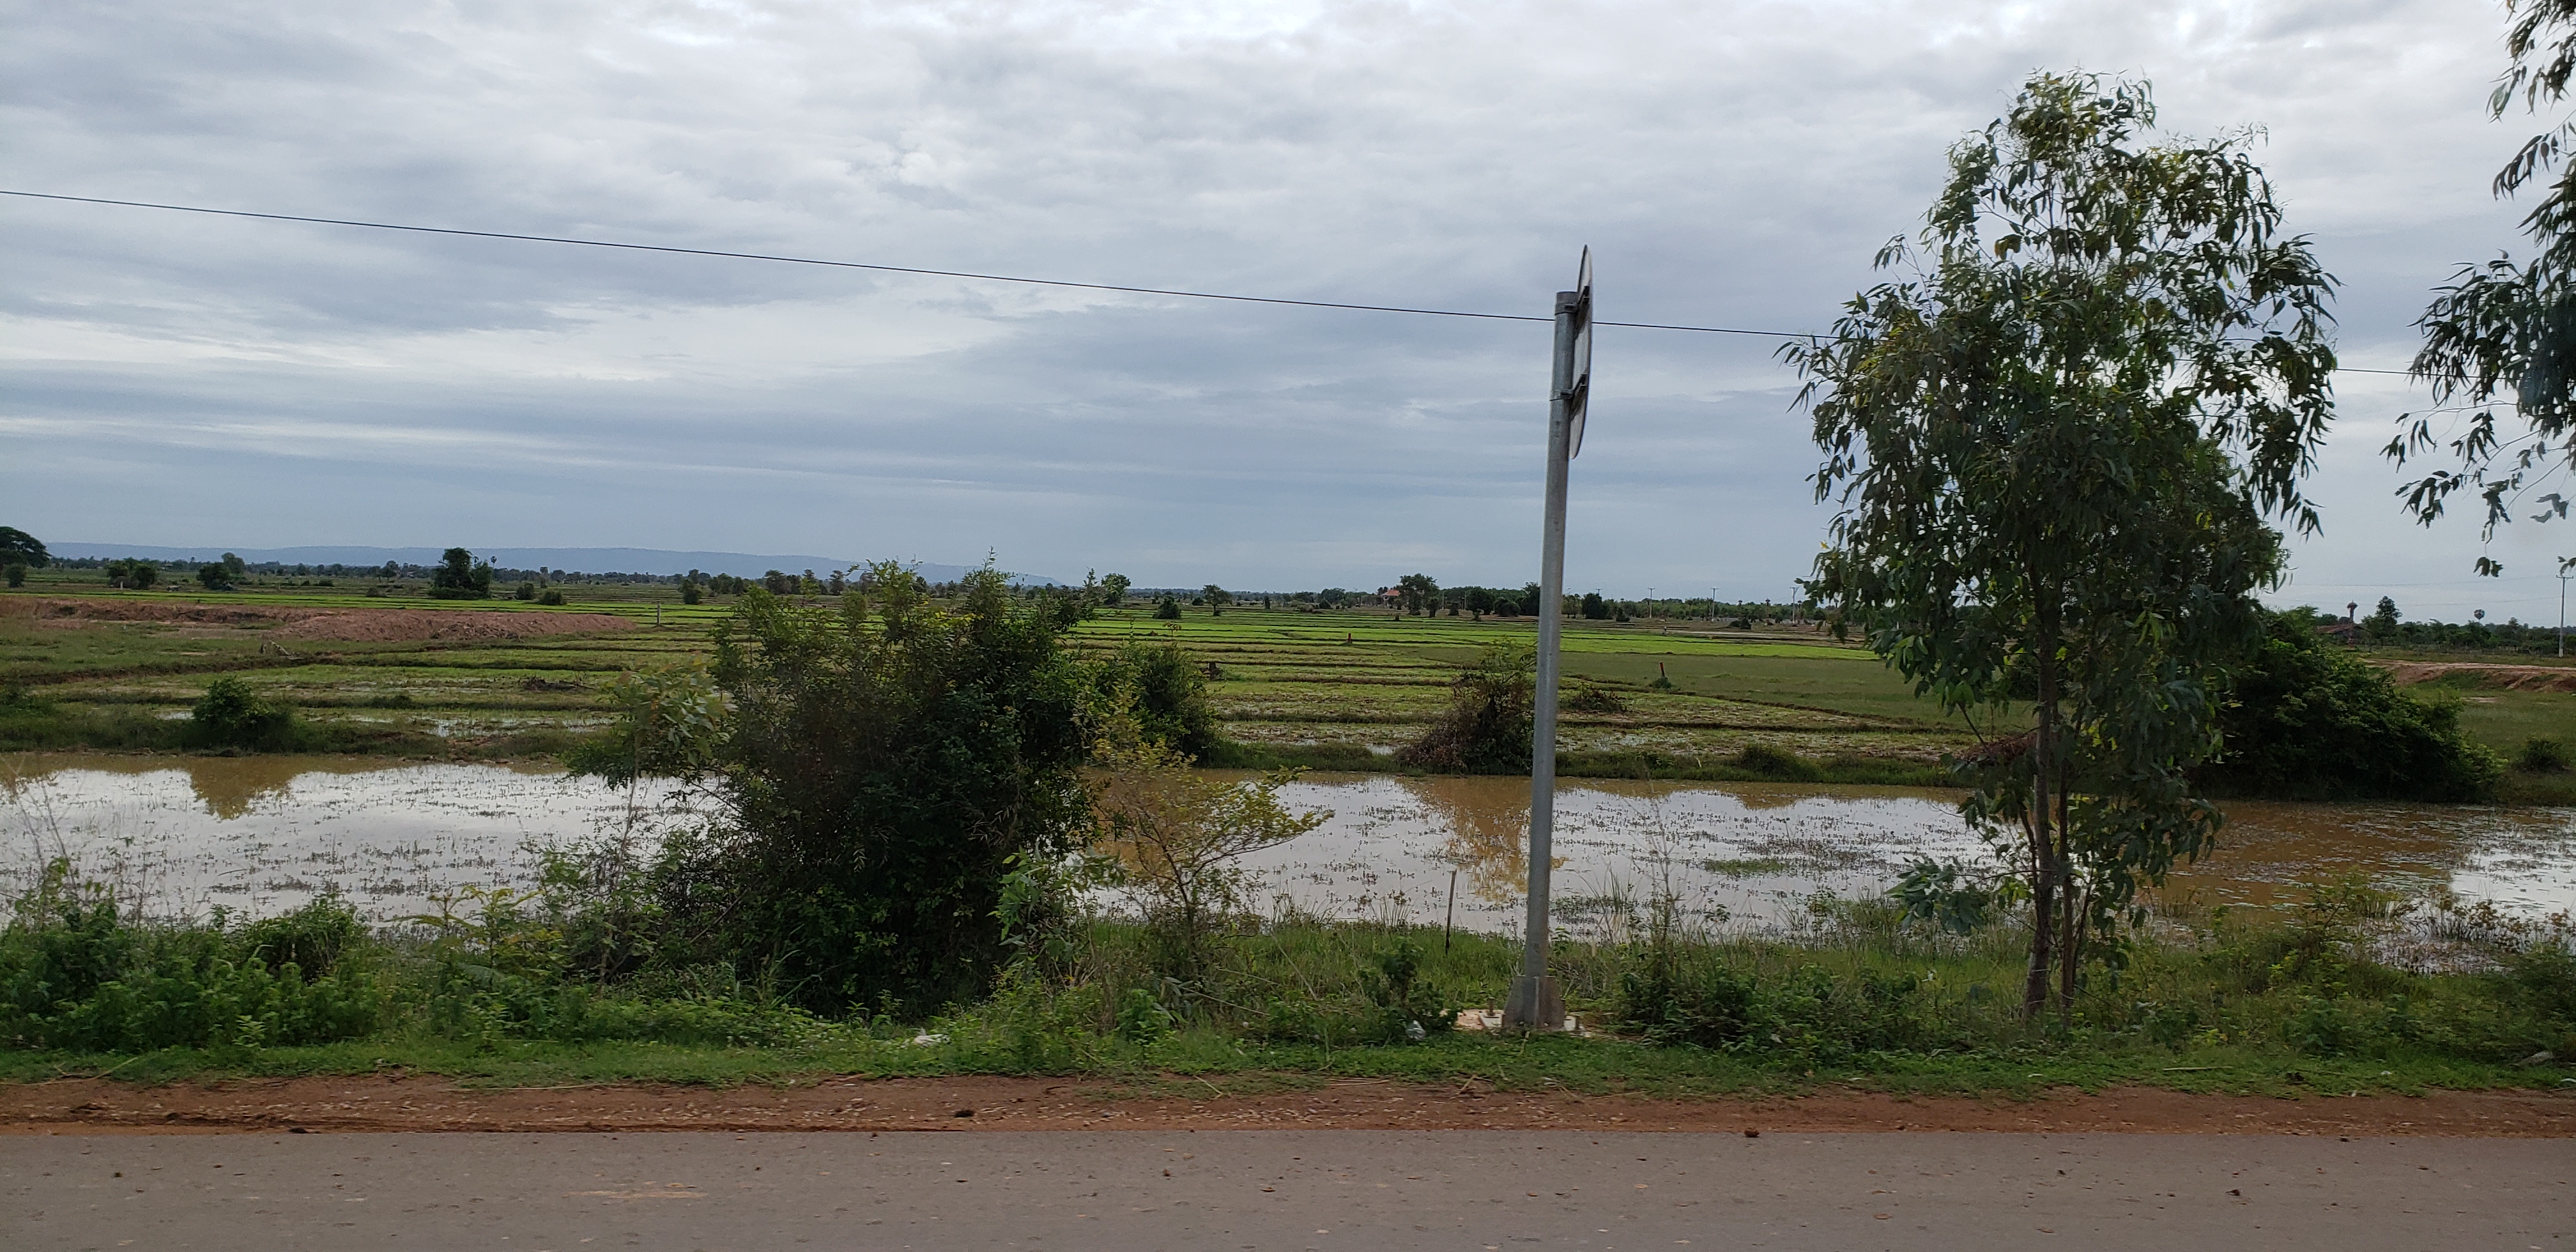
(674, 250)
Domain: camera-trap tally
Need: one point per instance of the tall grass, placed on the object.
(1850, 987)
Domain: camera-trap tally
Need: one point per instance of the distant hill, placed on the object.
(573, 560)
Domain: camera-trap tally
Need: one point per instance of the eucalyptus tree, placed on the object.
(2504, 333)
(2056, 443)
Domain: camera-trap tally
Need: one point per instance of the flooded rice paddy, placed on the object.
(261, 834)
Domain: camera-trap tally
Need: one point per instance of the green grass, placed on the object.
(1511, 1063)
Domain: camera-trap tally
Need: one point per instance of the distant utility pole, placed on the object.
(2565, 564)
(1536, 1002)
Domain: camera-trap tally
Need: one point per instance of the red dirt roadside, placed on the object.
(91, 1106)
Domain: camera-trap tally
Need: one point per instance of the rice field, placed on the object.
(1367, 679)
(1340, 685)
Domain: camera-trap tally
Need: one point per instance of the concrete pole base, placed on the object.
(1536, 1003)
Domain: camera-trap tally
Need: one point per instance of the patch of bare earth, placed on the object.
(2506, 677)
(90, 1106)
(345, 625)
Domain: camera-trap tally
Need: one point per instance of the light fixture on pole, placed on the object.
(1536, 1002)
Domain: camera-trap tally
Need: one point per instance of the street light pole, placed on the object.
(1536, 1002)
(2564, 563)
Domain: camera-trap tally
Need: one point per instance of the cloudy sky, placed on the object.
(188, 380)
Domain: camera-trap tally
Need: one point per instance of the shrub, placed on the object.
(17, 575)
(1167, 609)
(552, 597)
(1175, 834)
(1949, 896)
(1488, 725)
(1592, 697)
(232, 715)
(526, 591)
(311, 938)
(1764, 761)
(1142, 1018)
(670, 723)
(1406, 1008)
(887, 764)
(75, 975)
(2307, 721)
(1167, 694)
(2542, 756)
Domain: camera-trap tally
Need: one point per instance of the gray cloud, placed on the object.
(178, 380)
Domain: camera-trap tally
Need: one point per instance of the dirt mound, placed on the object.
(354, 625)
(2506, 677)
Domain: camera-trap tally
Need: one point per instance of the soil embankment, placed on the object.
(90, 1106)
(2503, 677)
(348, 625)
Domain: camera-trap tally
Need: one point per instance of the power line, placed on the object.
(799, 260)
(910, 269)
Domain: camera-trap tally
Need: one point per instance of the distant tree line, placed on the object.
(2387, 626)
(1421, 595)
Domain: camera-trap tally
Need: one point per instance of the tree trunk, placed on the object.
(2043, 878)
(2070, 949)
(2045, 860)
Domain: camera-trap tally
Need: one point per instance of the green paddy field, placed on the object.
(1339, 688)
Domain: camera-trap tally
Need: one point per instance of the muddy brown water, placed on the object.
(260, 834)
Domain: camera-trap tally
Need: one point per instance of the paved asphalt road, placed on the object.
(1361, 1190)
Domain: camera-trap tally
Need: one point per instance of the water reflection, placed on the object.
(1755, 851)
(262, 833)
(1487, 834)
(228, 786)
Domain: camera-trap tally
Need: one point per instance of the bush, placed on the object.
(1174, 835)
(75, 975)
(887, 765)
(312, 938)
(526, 591)
(17, 575)
(1168, 695)
(2309, 721)
(1167, 609)
(232, 715)
(2542, 756)
(1488, 725)
(1764, 761)
(1700, 997)
(1407, 1008)
(553, 597)
(1592, 697)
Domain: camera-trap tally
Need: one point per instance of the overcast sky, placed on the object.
(180, 380)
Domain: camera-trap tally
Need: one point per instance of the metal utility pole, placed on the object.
(1536, 1002)
(2565, 563)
